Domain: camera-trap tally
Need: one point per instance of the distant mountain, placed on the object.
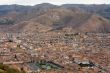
(51, 18)
(103, 9)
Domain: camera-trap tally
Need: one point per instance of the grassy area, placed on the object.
(48, 65)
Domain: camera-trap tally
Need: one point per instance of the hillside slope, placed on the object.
(49, 18)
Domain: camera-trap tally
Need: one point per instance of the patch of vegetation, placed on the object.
(6, 21)
(69, 36)
(7, 69)
(48, 65)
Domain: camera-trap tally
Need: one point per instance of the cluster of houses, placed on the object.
(73, 51)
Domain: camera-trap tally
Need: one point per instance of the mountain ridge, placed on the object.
(77, 17)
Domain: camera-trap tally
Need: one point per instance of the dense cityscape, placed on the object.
(47, 38)
(68, 52)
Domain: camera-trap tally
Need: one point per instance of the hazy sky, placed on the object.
(58, 2)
